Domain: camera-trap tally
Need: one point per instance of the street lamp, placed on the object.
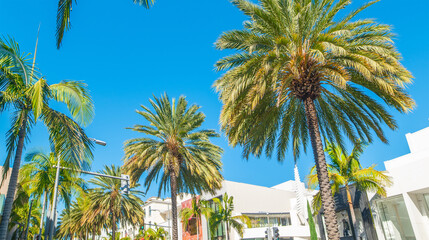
(55, 202)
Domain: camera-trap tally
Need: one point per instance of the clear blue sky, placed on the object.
(126, 53)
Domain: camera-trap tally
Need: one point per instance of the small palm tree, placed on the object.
(20, 212)
(64, 12)
(198, 209)
(302, 71)
(28, 98)
(77, 221)
(109, 201)
(155, 234)
(346, 170)
(224, 215)
(175, 150)
(40, 177)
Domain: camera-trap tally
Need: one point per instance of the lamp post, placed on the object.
(55, 200)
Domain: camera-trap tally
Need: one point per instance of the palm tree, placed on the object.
(155, 234)
(110, 202)
(41, 178)
(346, 170)
(224, 215)
(198, 209)
(183, 156)
(28, 97)
(303, 71)
(64, 12)
(21, 207)
(77, 221)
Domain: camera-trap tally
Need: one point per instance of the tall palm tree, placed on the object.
(41, 180)
(64, 12)
(28, 98)
(346, 170)
(110, 202)
(198, 209)
(175, 149)
(224, 215)
(303, 71)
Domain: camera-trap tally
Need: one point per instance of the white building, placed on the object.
(404, 214)
(275, 206)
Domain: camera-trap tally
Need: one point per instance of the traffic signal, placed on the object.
(125, 183)
(276, 234)
(267, 233)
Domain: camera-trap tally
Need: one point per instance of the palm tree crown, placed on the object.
(303, 71)
(198, 209)
(28, 98)
(294, 50)
(225, 215)
(41, 177)
(346, 170)
(64, 12)
(109, 201)
(176, 151)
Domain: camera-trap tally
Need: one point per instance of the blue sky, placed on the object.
(126, 54)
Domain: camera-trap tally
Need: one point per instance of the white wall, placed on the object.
(411, 180)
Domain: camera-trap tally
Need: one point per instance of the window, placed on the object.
(192, 226)
(426, 197)
(394, 218)
(275, 220)
(150, 211)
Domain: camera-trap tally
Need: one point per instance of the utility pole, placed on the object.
(28, 219)
(55, 200)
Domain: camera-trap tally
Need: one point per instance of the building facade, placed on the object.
(3, 188)
(266, 207)
(404, 213)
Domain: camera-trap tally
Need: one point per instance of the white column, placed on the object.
(421, 230)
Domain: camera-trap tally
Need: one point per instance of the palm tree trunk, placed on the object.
(48, 220)
(227, 231)
(113, 222)
(173, 188)
(93, 234)
(352, 212)
(13, 180)
(42, 217)
(198, 232)
(322, 170)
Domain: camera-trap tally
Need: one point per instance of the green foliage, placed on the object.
(64, 12)
(290, 51)
(155, 234)
(93, 211)
(39, 175)
(312, 226)
(345, 170)
(20, 210)
(174, 153)
(198, 209)
(174, 143)
(224, 216)
(28, 98)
